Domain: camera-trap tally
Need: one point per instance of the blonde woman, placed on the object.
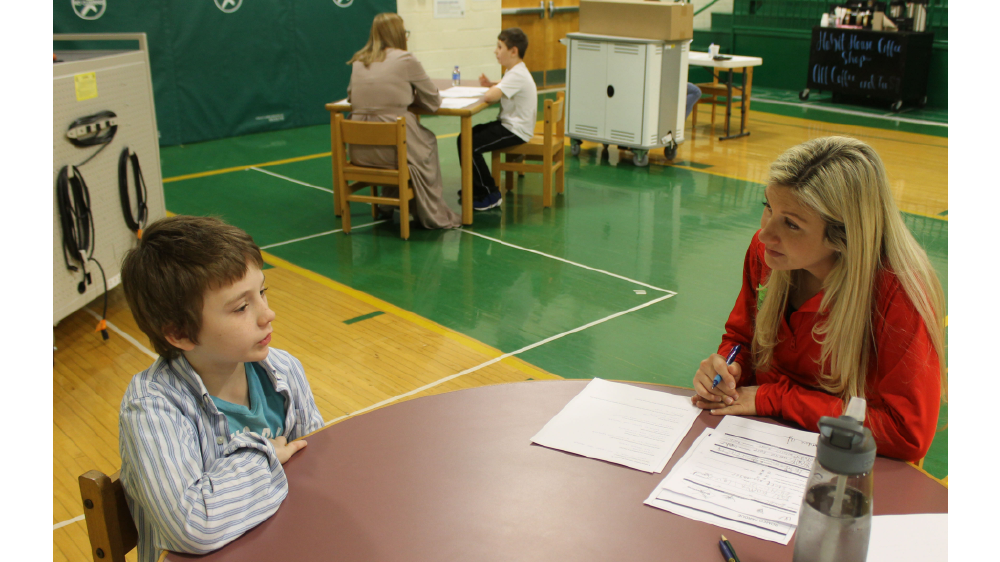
(385, 81)
(838, 300)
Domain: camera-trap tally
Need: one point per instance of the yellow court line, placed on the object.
(274, 163)
(241, 168)
(414, 318)
(935, 217)
(942, 481)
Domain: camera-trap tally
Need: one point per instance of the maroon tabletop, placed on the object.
(456, 477)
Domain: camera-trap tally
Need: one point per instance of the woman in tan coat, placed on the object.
(385, 81)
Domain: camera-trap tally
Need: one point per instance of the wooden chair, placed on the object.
(109, 521)
(548, 147)
(351, 179)
(711, 92)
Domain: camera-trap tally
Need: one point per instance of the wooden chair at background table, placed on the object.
(711, 92)
(109, 522)
(548, 147)
(347, 132)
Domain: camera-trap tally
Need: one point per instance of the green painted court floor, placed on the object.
(632, 274)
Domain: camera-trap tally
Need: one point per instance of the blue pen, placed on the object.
(727, 554)
(729, 361)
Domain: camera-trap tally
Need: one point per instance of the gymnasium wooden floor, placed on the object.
(629, 277)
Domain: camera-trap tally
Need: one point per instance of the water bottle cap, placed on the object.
(845, 446)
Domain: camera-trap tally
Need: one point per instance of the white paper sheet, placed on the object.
(914, 538)
(457, 103)
(746, 475)
(715, 515)
(620, 423)
(463, 92)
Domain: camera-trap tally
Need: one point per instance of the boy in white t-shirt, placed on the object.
(516, 123)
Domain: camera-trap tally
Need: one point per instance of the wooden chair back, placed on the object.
(549, 148)
(109, 522)
(350, 178)
(555, 124)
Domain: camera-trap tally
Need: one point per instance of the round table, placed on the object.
(455, 477)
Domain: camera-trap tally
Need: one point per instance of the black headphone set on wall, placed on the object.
(73, 199)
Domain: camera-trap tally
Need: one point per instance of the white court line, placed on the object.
(887, 116)
(127, 337)
(290, 179)
(67, 522)
(500, 358)
(320, 234)
(569, 262)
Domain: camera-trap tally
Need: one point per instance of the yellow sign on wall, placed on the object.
(86, 86)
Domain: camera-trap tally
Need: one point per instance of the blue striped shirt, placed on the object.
(191, 486)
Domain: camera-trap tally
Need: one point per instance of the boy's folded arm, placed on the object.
(195, 509)
(493, 95)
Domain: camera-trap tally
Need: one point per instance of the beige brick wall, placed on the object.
(440, 44)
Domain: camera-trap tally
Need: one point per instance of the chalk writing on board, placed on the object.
(851, 61)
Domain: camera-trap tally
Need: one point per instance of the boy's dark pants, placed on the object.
(486, 137)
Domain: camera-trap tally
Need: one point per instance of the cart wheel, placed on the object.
(896, 106)
(574, 147)
(804, 94)
(670, 151)
(640, 157)
(922, 102)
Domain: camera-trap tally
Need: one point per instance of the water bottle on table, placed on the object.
(835, 518)
(456, 77)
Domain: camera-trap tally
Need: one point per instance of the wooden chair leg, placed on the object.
(496, 167)
(509, 179)
(561, 175)
(345, 210)
(374, 206)
(405, 194)
(547, 180)
(694, 115)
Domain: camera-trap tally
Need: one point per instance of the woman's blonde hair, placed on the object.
(387, 32)
(844, 181)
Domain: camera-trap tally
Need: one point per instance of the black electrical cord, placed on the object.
(79, 236)
(93, 130)
(135, 224)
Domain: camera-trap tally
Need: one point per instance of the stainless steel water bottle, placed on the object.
(835, 518)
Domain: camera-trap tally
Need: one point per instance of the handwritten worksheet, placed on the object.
(747, 474)
(706, 512)
(621, 423)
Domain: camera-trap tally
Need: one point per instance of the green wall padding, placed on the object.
(267, 65)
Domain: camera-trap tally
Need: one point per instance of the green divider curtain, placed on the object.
(230, 67)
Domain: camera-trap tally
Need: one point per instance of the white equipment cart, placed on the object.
(626, 91)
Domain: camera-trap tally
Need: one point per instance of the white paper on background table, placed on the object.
(747, 474)
(457, 103)
(920, 537)
(621, 423)
(463, 92)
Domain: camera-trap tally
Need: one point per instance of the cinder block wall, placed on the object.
(440, 44)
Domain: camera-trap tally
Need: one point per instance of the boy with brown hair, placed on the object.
(515, 125)
(203, 432)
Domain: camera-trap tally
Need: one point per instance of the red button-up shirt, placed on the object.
(903, 383)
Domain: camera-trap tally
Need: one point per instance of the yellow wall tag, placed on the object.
(86, 85)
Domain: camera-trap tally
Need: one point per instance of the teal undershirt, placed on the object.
(266, 414)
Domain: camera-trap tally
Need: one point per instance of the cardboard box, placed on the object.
(643, 19)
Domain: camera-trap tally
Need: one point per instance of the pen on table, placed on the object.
(729, 361)
(728, 552)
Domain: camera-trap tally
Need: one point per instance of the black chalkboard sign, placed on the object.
(891, 66)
